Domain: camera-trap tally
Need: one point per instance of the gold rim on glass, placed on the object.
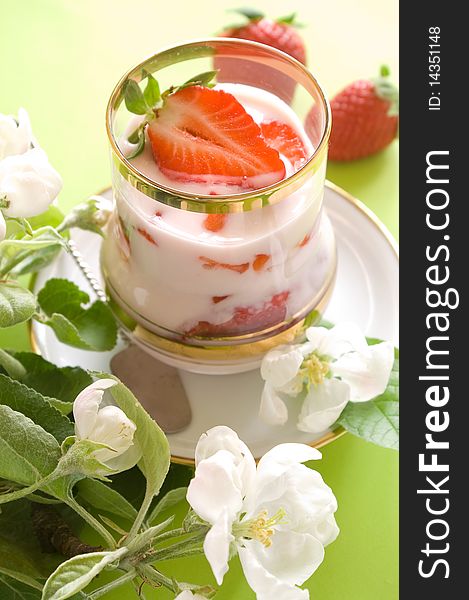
(330, 436)
(221, 203)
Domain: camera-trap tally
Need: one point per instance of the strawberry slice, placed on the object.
(214, 223)
(209, 263)
(144, 233)
(260, 261)
(205, 135)
(285, 140)
(246, 319)
(218, 299)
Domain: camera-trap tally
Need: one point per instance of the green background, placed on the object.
(60, 60)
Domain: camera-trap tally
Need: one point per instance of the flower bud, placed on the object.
(107, 425)
(15, 135)
(28, 183)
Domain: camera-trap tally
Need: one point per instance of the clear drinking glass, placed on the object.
(216, 301)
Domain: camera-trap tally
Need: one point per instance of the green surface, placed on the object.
(60, 60)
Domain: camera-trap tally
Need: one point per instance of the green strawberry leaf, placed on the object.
(134, 98)
(17, 304)
(204, 79)
(32, 404)
(92, 328)
(60, 385)
(250, 13)
(377, 420)
(151, 94)
(138, 138)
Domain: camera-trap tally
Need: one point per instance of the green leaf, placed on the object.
(27, 452)
(153, 443)
(133, 98)
(17, 304)
(103, 497)
(250, 13)
(12, 589)
(377, 420)
(53, 216)
(34, 405)
(92, 328)
(75, 574)
(172, 498)
(138, 138)
(152, 93)
(91, 215)
(20, 552)
(145, 539)
(60, 385)
(11, 366)
(203, 79)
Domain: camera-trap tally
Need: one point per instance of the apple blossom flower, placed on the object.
(15, 134)
(28, 183)
(278, 517)
(101, 422)
(334, 366)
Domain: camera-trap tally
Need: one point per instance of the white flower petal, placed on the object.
(224, 438)
(288, 454)
(323, 405)
(272, 409)
(86, 406)
(126, 460)
(15, 137)
(366, 375)
(279, 366)
(113, 428)
(217, 546)
(29, 182)
(293, 557)
(342, 338)
(266, 585)
(216, 487)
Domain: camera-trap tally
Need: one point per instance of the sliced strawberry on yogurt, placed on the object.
(246, 319)
(214, 223)
(286, 141)
(205, 135)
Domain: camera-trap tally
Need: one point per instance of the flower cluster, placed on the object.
(28, 183)
(277, 517)
(331, 368)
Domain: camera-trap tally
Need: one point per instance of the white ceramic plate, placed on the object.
(366, 292)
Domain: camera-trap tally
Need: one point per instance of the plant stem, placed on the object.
(112, 585)
(185, 547)
(140, 516)
(94, 523)
(152, 575)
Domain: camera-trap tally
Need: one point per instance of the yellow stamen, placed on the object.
(260, 528)
(314, 369)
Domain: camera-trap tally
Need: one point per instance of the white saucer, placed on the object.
(366, 292)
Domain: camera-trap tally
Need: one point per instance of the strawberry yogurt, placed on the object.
(193, 276)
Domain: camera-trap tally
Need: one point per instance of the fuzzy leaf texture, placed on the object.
(91, 328)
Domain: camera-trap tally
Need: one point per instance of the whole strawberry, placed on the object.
(280, 34)
(364, 118)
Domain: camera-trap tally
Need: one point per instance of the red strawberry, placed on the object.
(246, 319)
(286, 141)
(280, 34)
(205, 135)
(364, 118)
(214, 222)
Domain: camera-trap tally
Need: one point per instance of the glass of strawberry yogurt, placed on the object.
(218, 248)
